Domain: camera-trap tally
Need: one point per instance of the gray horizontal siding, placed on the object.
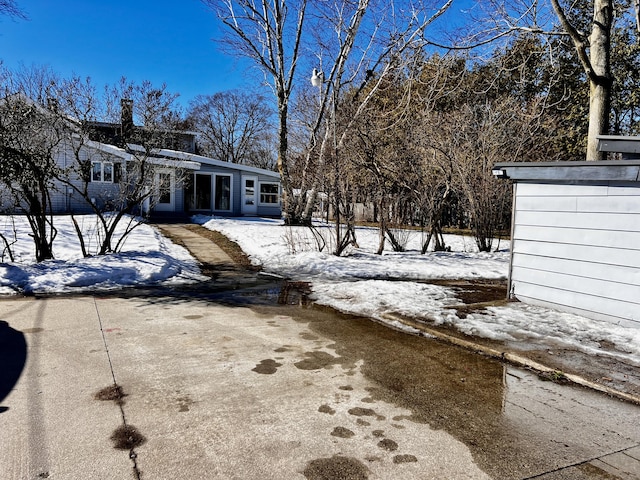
(264, 211)
(581, 253)
(577, 247)
(587, 305)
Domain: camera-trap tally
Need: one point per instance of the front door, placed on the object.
(165, 191)
(249, 195)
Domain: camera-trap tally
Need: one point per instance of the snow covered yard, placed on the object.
(146, 258)
(376, 285)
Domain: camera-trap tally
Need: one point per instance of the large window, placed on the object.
(102, 172)
(203, 192)
(222, 193)
(269, 193)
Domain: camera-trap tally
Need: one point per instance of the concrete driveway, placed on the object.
(215, 390)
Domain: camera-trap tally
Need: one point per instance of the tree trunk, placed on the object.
(382, 227)
(600, 80)
(83, 246)
(597, 66)
(288, 199)
(599, 99)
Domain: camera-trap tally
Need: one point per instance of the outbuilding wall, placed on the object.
(576, 247)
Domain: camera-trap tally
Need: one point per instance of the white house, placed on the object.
(224, 188)
(183, 182)
(575, 242)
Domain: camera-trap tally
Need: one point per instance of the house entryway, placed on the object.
(249, 195)
(165, 184)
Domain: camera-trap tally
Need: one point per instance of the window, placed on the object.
(249, 192)
(102, 172)
(164, 187)
(203, 192)
(222, 193)
(269, 193)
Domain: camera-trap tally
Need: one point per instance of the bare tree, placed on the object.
(233, 127)
(472, 116)
(382, 157)
(271, 33)
(133, 181)
(30, 140)
(435, 90)
(588, 30)
(368, 47)
(9, 240)
(484, 133)
(10, 8)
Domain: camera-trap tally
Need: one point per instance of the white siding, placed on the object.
(577, 247)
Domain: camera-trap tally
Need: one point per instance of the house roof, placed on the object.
(173, 158)
(204, 160)
(99, 124)
(106, 148)
(121, 153)
(609, 170)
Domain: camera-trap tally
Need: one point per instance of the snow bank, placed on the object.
(146, 258)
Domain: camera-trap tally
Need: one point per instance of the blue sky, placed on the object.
(162, 41)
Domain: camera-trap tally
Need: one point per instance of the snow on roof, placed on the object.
(126, 156)
(203, 160)
(168, 162)
(106, 148)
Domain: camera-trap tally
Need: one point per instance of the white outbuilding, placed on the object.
(575, 241)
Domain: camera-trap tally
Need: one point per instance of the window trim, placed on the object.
(195, 191)
(278, 194)
(102, 165)
(214, 192)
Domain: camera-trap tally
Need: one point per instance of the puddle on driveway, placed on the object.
(511, 421)
(480, 401)
(443, 386)
(271, 293)
(336, 467)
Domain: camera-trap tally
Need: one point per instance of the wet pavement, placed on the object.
(231, 384)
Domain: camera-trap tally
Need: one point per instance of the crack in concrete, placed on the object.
(132, 453)
(37, 432)
(578, 464)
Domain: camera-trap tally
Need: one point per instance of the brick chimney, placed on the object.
(126, 118)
